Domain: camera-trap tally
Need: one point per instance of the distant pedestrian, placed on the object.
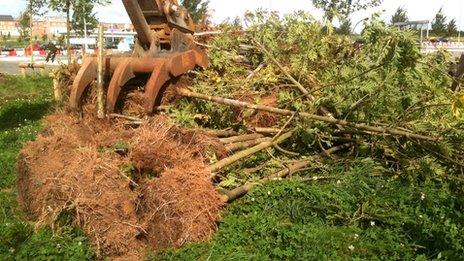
(52, 51)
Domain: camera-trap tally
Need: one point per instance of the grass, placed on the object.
(23, 102)
(363, 212)
(357, 215)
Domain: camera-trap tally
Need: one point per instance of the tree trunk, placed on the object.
(328, 119)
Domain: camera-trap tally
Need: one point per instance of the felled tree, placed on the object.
(342, 8)
(400, 16)
(197, 8)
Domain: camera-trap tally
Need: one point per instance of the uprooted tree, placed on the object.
(280, 99)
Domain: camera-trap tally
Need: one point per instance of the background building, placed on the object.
(8, 26)
(52, 26)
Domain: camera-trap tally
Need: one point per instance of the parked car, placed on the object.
(443, 40)
(20, 51)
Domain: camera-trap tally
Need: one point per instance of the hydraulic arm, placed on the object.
(163, 48)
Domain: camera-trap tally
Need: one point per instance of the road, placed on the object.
(10, 65)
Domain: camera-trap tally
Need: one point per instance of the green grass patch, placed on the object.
(24, 88)
(23, 103)
(358, 215)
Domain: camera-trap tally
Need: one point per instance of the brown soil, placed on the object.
(134, 103)
(128, 189)
(255, 118)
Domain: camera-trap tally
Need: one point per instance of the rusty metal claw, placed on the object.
(86, 74)
(122, 74)
(164, 48)
(158, 78)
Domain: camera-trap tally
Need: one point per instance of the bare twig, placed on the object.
(202, 44)
(285, 151)
(126, 117)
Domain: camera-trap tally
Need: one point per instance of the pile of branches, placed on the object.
(293, 93)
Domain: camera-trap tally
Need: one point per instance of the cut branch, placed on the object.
(231, 195)
(207, 33)
(245, 144)
(266, 130)
(327, 119)
(245, 153)
(220, 133)
(241, 138)
(126, 117)
(253, 73)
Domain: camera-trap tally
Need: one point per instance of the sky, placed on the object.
(224, 9)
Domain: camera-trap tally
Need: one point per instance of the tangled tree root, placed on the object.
(127, 188)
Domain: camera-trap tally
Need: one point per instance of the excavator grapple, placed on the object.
(164, 49)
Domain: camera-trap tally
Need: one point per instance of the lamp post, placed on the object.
(460, 20)
(356, 25)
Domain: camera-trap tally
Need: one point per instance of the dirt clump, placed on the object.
(254, 118)
(128, 188)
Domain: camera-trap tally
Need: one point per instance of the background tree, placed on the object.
(83, 13)
(34, 8)
(400, 16)
(452, 28)
(197, 8)
(439, 26)
(342, 8)
(345, 27)
(67, 7)
(64, 6)
(24, 25)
